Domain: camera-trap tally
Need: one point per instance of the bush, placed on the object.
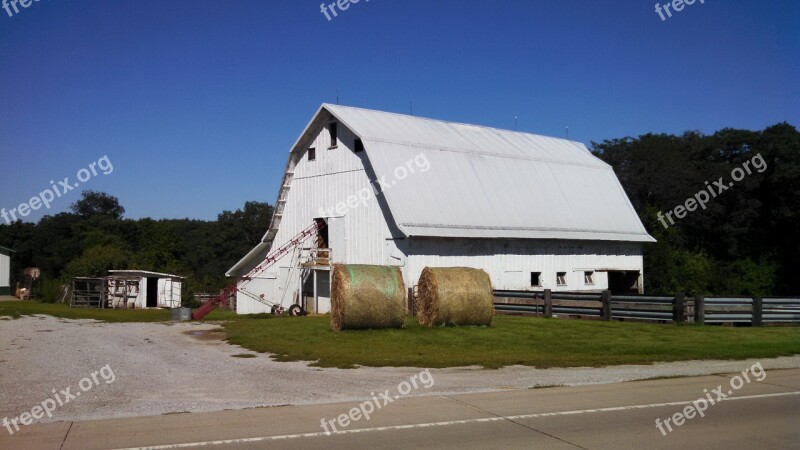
(50, 290)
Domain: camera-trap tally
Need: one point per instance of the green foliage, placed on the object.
(747, 240)
(95, 238)
(98, 203)
(97, 261)
(747, 277)
(50, 289)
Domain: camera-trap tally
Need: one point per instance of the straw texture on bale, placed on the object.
(455, 296)
(365, 296)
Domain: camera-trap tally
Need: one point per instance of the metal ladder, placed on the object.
(268, 261)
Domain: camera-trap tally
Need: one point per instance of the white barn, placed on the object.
(5, 271)
(534, 212)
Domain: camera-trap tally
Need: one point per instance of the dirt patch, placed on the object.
(206, 335)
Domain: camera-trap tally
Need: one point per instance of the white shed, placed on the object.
(143, 289)
(5, 271)
(535, 212)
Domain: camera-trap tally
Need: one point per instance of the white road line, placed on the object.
(442, 424)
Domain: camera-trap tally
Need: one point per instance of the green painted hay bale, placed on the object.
(367, 297)
(455, 296)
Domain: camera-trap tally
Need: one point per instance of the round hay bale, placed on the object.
(367, 297)
(455, 296)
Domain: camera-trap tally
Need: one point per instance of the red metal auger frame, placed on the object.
(270, 259)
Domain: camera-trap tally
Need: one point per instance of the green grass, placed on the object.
(509, 341)
(27, 308)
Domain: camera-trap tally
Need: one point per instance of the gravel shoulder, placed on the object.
(187, 367)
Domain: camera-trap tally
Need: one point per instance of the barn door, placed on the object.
(337, 237)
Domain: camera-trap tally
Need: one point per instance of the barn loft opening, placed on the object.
(359, 146)
(333, 129)
(312, 154)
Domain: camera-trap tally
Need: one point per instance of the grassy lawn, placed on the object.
(27, 308)
(510, 340)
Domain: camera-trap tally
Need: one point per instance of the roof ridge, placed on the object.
(430, 119)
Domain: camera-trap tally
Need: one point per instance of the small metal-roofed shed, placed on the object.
(144, 289)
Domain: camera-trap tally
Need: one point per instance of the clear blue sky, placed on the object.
(196, 103)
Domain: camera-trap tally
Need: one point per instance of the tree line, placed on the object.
(94, 237)
(744, 241)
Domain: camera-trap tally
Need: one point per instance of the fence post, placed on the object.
(679, 308)
(758, 312)
(606, 307)
(548, 303)
(699, 309)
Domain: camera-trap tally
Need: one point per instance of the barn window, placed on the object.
(536, 279)
(588, 277)
(312, 154)
(333, 129)
(359, 146)
(561, 278)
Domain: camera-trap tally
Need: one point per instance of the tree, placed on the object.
(97, 203)
(748, 233)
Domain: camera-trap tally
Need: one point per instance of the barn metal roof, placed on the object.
(141, 273)
(482, 183)
(491, 183)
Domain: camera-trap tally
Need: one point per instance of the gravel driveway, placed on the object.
(186, 367)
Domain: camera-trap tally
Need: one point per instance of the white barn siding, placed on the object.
(317, 187)
(509, 263)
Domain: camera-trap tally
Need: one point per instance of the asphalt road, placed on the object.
(763, 414)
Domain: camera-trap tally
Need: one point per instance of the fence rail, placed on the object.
(756, 311)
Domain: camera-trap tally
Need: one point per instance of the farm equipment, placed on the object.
(269, 260)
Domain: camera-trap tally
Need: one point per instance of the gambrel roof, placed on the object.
(490, 183)
(483, 182)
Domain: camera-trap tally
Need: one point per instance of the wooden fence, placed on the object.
(755, 311)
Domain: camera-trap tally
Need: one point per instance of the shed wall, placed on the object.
(5, 274)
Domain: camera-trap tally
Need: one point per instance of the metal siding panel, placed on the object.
(5, 271)
(316, 188)
(548, 257)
